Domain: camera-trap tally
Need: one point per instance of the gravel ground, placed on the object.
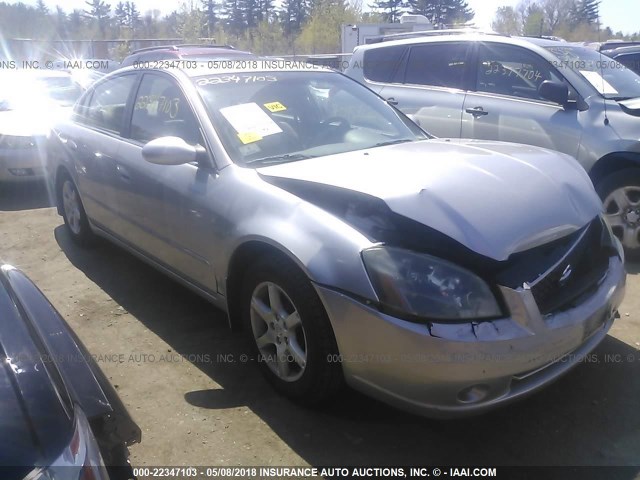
(169, 354)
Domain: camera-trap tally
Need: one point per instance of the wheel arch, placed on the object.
(245, 255)
(613, 162)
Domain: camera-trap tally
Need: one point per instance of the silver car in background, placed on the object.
(442, 277)
(536, 91)
(31, 101)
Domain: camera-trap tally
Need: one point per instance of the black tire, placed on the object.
(628, 179)
(321, 378)
(76, 222)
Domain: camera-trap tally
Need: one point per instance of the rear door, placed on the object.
(92, 140)
(430, 85)
(505, 103)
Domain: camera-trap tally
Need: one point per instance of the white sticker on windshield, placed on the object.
(249, 117)
(595, 79)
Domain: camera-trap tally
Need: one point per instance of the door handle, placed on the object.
(123, 173)
(392, 101)
(67, 141)
(477, 111)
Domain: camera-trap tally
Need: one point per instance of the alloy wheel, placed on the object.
(278, 332)
(71, 205)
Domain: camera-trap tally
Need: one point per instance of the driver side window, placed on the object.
(512, 71)
(161, 110)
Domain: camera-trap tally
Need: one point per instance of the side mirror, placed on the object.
(557, 92)
(169, 151)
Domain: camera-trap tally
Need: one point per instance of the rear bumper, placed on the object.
(450, 370)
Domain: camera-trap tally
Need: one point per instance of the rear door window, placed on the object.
(380, 64)
(106, 107)
(438, 64)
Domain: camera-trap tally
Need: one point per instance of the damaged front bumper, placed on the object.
(449, 370)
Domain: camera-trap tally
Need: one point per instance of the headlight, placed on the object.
(424, 286)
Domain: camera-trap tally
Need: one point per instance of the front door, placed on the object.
(505, 104)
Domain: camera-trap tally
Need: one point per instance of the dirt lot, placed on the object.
(164, 348)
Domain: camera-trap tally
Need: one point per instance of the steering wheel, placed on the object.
(332, 129)
(341, 123)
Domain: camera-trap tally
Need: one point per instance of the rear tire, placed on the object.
(620, 194)
(73, 212)
(290, 333)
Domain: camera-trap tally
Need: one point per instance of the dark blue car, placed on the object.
(59, 417)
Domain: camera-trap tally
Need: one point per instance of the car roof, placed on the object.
(465, 36)
(206, 52)
(622, 50)
(182, 47)
(547, 42)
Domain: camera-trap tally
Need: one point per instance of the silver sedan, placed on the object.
(444, 277)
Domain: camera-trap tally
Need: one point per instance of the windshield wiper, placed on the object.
(619, 99)
(287, 157)
(394, 142)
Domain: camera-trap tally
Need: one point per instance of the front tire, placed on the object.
(290, 333)
(73, 212)
(620, 194)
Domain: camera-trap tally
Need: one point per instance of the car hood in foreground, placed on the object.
(494, 198)
(34, 423)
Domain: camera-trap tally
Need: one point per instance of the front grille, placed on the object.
(578, 273)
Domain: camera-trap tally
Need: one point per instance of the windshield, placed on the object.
(610, 78)
(275, 117)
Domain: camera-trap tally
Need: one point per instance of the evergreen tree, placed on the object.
(98, 13)
(442, 12)
(266, 10)
(120, 14)
(61, 20)
(460, 12)
(293, 14)
(250, 12)
(233, 17)
(42, 8)
(190, 22)
(391, 10)
(586, 11)
(133, 15)
(210, 8)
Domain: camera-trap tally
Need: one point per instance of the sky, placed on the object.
(617, 14)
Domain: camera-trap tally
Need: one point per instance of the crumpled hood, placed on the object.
(631, 106)
(494, 198)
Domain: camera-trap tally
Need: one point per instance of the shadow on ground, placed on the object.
(24, 196)
(633, 268)
(589, 417)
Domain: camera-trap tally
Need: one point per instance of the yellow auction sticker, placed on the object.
(275, 107)
(249, 137)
